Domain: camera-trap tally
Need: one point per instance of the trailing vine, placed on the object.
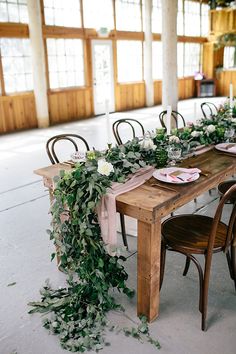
(78, 311)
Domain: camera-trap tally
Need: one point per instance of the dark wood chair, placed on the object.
(208, 109)
(193, 234)
(133, 125)
(136, 129)
(74, 139)
(224, 186)
(175, 116)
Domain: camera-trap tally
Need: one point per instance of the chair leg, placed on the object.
(163, 261)
(231, 259)
(123, 232)
(187, 264)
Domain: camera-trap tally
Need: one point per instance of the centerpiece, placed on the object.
(78, 310)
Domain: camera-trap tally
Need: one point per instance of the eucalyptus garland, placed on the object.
(78, 311)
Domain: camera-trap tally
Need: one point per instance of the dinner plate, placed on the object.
(227, 147)
(163, 175)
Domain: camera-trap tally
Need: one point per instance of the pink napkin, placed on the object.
(179, 175)
(231, 148)
(107, 207)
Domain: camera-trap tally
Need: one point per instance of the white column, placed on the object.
(148, 54)
(169, 52)
(38, 63)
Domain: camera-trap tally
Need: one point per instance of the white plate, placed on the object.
(162, 175)
(227, 147)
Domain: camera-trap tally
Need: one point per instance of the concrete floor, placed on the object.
(25, 257)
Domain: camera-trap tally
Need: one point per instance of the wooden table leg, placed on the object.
(149, 246)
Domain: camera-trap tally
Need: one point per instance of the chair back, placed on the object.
(231, 228)
(175, 116)
(75, 140)
(208, 109)
(121, 125)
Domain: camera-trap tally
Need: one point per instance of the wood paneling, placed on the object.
(186, 88)
(211, 59)
(157, 91)
(222, 21)
(70, 105)
(130, 96)
(17, 112)
(224, 78)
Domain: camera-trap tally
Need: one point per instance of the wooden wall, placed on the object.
(17, 112)
(224, 78)
(222, 21)
(69, 105)
(130, 96)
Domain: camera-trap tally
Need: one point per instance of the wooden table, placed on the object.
(149, 204)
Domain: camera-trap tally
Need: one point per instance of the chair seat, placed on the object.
(190, 233)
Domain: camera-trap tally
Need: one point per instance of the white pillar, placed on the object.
(169, 52)
(148, 54)
(38, 63)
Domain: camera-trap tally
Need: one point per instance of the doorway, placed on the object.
(103, 77)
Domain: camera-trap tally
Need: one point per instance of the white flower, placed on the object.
(147, 144)
(210, 128)
(173, 139)
(199, 123)
(195, 134)
(104, 167)
(233, 120)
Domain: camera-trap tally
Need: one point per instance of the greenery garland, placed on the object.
(78, 311)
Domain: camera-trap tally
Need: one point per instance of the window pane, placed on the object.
(192, 18)
(229, 57)
(128, 15)
(129, 61)
(17, 66)
(13, 11)
(180, 18)
(98, 14)
(180, 59)
(205, 19)
(65, 13)
(157, 60)
(65, 61)
(191, 58)
(156, 16)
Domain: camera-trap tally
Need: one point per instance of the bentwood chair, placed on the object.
(193, 234)
(175, 116)
(126, 125)
(208, 109)
(136, 129)
(224, 186)
(73, 139)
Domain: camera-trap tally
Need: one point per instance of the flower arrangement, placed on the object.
(78, 311)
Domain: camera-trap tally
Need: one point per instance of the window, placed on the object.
(129, 61)
(204, 19)
(13, 11)
(191, 58)
(98, 14)
(128, 15)
(192, 18)
(65, 13)
(66, 63)
(180, 18)
(157, 60)
(180, 59)
(188, 59)
(229, 57)
(17, 66)
(156, 16)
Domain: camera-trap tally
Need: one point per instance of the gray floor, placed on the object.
(25, 257)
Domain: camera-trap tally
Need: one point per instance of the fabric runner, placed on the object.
(107, 207)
